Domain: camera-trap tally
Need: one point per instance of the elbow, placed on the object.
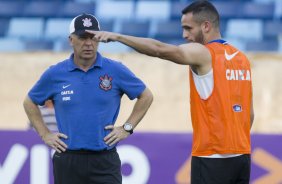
(28, 103)
(25, 102)
(252, 118)
(155, 53)
(148, 96)
(151, 98)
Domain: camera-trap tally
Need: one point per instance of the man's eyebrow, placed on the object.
(186, 27)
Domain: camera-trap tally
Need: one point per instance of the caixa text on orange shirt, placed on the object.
(238, 74)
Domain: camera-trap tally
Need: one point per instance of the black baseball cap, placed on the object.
(84, 22)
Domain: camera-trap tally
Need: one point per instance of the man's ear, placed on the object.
(70, 41)
(206, 26)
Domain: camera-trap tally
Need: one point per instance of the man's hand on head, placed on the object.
(104, 36)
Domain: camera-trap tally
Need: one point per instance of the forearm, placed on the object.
(34, 115)
(146, 46)
(187, 54)
(141, 107)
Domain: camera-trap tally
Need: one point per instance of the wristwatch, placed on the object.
(128, 127)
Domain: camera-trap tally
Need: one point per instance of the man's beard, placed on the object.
(199, 38)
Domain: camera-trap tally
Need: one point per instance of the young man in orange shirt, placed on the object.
(220, 90)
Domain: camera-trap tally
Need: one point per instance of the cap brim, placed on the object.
(82, 32)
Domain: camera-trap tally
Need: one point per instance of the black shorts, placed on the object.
(87, 167)
(234, 170)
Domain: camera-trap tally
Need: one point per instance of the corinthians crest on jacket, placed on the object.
(106, 82)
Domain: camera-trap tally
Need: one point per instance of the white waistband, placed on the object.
(221, 156)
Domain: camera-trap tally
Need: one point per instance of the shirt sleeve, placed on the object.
(41, 91)
(131, 85)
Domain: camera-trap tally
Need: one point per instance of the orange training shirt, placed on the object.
(221, 123)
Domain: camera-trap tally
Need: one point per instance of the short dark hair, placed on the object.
(203, 10)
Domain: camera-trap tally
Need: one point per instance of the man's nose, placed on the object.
(88, 41)
(185, 34)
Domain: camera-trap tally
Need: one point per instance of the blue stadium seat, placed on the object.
(11, 45)
(228, 9)
(272, 29)
(107, 25)
(222, 26)
(72, 9)
(265, 45)
(10, 9)
(113, 47)
(110, 10)
(62, 45)
(239, 44)
(135, 28)
(44, 9)
(4, 22)
(176, 9)
(150, 10)
(85, 1)
(57, 28)
(30, 28)
(278, 9)
(168, 31)
(249, 30)
(38, 45)
(258, 10)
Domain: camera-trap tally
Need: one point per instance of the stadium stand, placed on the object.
(228, 10)
(57, 28)
(135, 28)
(113, 47)
(238, 43)
(278, 9)
(26, 28)
(260, 46)
(10, 9)
(45, 23)
(109, 10)
(107, 25)
(61, 45)
(4, 22)
(11, 45)
(258, 10)
(156, 10)
(272, 29)
(245, 29)
(44, 9)
(34, 45)
(72, 9)
(169, 31)
(175, 10)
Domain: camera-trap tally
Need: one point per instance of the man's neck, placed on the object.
(211, 37)
(84, 64)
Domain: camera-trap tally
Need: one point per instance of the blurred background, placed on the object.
(34, 35)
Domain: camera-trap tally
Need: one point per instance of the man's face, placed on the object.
(192, 31)
(84, 46)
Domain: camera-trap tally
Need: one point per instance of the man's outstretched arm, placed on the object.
(186, 54)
